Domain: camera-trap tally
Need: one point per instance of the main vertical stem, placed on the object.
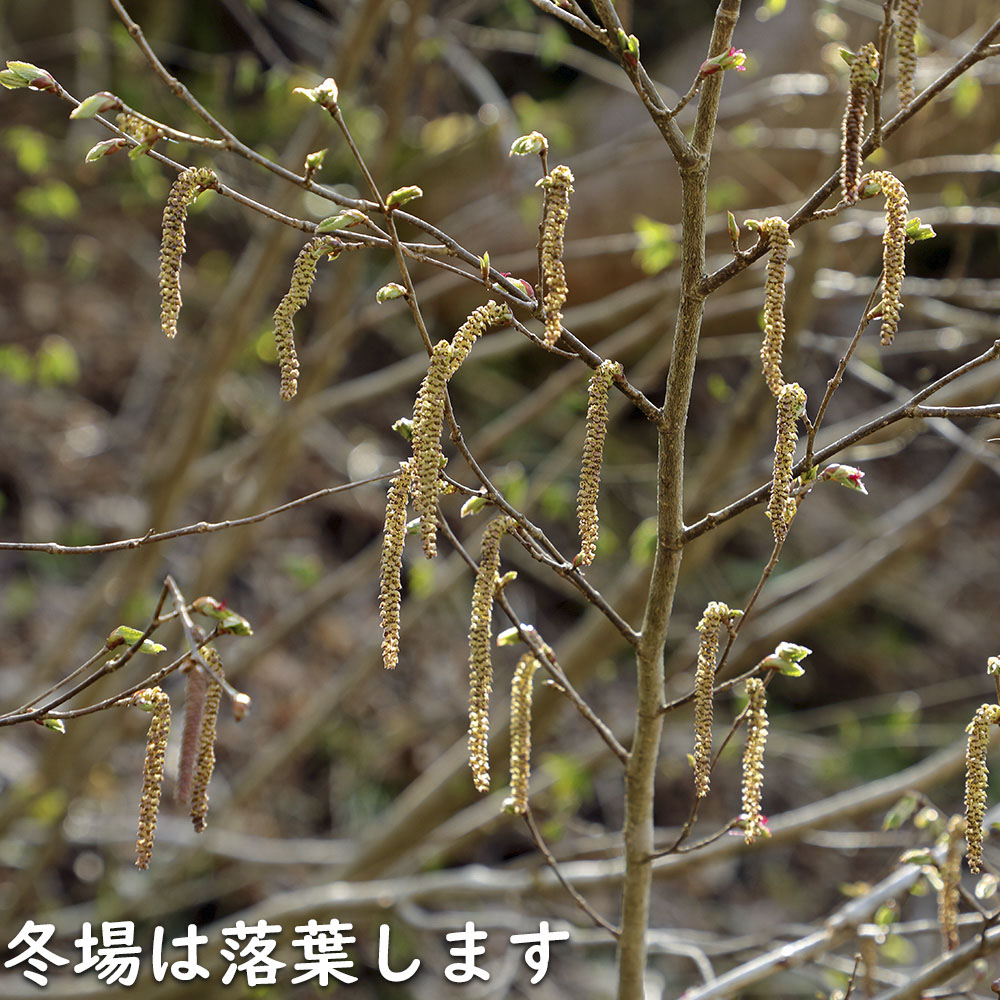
(640, 776)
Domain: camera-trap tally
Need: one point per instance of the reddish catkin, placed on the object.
(977, 777)
(194, 711)
(558, 186)
(781, 507)
(753, 759)
(189, 184)
(480, 659)
(593, 457)
(428, 415)
(156, 701)
(391, 567)
(951, 877)
(715, 615)
(205, 761)
(776, 230)
(897, 206)
(303, 275)
(864, 75)
(520, 732)
(906, 50)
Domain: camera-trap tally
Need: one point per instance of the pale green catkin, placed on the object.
(303, 275)
(558, 186)
(156, 701)
(864, 75)
(906, 51)
(520, 732)
(189, 184)
(712, 620)
(897, 206)
(593, 457)
(977, 777)
(390, 571)
(776, 230)
(194, 711)
(781, 507)
(428, 415)
(753, 759)
(480, 658)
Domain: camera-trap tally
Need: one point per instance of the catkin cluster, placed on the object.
(303, 275)
(977, 777)
(906, 51)
(714, 617)
(204, 763)
(951, 877)
(893, 249)
(391, 567)
(753, 759)
(140, 130)
(776, 230)
(864, 75)
(154, 700)
(520, 732)
(781, 507)
(557, 186)
(480, 659)
(189, 184)
(593, 455)
(428, 415)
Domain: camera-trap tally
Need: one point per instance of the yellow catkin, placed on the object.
(520, 732)
(781, 507)
(753, 759)
(303, 275)
(558, 186)
(593, 455)
(156, 701)
(977, 777)
(137, 128)
(480, 659)
(893, 249)
(205, 761)
(428, 415)
(776, 230)
(390, 572)
(711, 622)
(864, 75)
(481, 319)
(951, 876)
(906, 51)
(189, 184)
(194, 712)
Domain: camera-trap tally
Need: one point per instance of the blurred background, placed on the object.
(348, 780)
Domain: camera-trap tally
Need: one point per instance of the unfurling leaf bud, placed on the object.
(387, 293)
(733, 227)
(917, 231)
(845, 475)
(402, 195)
(473, 506)
(525, 145)
(106, 147)
(325, 95)
(733, 59)
(19, 75)
(95, 105)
